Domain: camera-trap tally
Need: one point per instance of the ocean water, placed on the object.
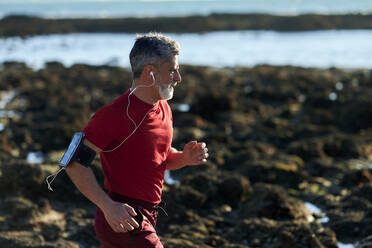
(141, 8)
(322, 49)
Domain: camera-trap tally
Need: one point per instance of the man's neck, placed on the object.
(144, 93)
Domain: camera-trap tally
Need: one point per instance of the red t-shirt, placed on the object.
(136, 168)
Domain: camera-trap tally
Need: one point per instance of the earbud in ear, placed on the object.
(153, 77)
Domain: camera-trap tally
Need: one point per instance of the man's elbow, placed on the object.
(73, 167)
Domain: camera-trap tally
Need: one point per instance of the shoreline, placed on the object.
(23, 26)
(23, 64)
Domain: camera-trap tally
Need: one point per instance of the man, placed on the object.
(133, 136)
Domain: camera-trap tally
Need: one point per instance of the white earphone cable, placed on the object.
(127, 112)
(53, 176)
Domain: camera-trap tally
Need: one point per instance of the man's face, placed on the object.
(168, 77)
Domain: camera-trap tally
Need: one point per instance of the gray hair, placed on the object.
(152, 49)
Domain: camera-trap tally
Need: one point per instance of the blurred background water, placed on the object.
(341, 48)
(141, 8)
(345, 48)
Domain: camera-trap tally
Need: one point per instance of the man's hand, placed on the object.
(120, 217)
(195, 153)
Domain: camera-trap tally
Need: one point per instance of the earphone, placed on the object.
(144, 117)
(134, 130)
(153, 77)
(130, 118)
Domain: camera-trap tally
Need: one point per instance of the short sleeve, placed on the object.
(102, 126)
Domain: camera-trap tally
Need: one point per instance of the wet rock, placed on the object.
(205, 182)
(307, 149)
(325, 167)
(51, 232)
(80, 226)
(23, 178)
(355, 203)
(270, 233)
(365, 191)
(349, 225)
(25, 239)
(209, 105)
(287, 173)
(218, 241)
(221, 155)
(357, 178)
(365, 243)
(55, 66)
(193, 120)
(270, 201)
(351, 218)
(182, 243)
(20, 239)
(15, 66)
(220, 187)
(321, 116)
(356, 115)
(234, 189)
(341, 147)
(21, 212)
(332, 146)
(19, 177)
(240, 159)
(188, 134)
(185, 196)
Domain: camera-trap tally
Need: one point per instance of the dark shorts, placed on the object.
(144, 237)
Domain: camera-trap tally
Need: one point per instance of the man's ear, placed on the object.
(148, 69)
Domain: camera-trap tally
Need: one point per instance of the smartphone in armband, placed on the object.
(78, 152)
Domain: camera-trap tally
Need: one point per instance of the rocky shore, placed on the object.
(27, 25)
(280, 138)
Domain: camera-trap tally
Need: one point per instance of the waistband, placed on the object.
(124, 199)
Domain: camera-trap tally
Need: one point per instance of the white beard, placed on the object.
(166, 92)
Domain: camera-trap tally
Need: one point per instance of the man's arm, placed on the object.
(193, 153)
(118, 215)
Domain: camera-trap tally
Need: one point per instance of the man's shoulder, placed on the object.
(120, 101)
(108, 119)
(114, 107)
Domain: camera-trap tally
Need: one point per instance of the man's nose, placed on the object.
(177, 77)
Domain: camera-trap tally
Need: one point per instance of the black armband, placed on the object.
(78, 152)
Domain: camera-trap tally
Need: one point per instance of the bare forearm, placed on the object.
(193, 153)
(175, 160)
(86, 182)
